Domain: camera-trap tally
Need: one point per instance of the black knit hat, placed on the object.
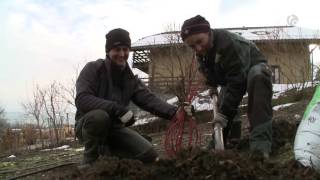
(117, 37)
(194, 25)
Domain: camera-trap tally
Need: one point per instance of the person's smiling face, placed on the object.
(119, 55)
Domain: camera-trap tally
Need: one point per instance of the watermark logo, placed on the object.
(292, 20)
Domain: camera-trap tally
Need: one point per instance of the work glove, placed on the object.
(188, 108)
(221, 119)
(127, 119)
(130, 122)
(124, 115)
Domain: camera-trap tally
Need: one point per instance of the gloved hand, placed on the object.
(221, 119)
(188, 108)
(124, 115)
(130, 122)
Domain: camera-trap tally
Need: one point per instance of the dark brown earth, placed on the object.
(235, 163)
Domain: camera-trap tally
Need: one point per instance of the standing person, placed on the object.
(237, 65)
(104, 89)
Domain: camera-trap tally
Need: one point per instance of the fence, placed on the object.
(171, 85)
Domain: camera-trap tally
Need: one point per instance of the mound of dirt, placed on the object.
(196, 163)
(235, 163)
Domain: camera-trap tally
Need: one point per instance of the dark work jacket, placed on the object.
(227, 64)
(95, 90)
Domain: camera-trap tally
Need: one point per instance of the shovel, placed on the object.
(217, 129)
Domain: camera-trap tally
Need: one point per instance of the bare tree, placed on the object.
(68, 92)
(55, 108)
(34, 107)
(180, 65)
(3, 122)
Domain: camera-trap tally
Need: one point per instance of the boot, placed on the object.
(210, 145)
(87, 162)
(91, 150)
(104, 150)
(259, 155)
(147, 137)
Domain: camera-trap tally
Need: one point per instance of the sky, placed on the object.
(44, 41)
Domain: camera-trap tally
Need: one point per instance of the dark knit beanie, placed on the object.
(194, 25)
(117, 37)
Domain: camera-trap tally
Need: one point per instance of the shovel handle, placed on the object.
(218, 137)
(217, 129)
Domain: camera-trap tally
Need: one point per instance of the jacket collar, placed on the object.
(211, 39)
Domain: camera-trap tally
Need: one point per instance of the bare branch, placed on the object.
(68, 92)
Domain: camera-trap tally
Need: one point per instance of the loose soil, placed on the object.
(196, 163)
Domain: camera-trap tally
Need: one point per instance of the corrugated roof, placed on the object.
(251, 33)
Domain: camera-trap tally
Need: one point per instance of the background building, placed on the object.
(164, 57)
